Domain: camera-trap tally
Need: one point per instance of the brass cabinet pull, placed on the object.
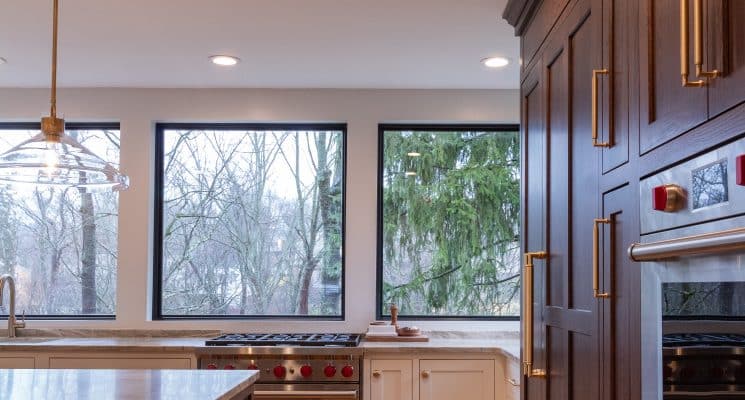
(425, 374)
(528, 316)
(376, 374)
(595, 73)
(698, 41)
(596, 259)
(697, 44)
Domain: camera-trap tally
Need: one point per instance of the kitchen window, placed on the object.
(448, 221)
(249, 221)
(60, 244)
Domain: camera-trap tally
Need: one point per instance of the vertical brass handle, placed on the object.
(595, 142)
(596, 259)
(698, 42)
(528, 315)
(684, 56)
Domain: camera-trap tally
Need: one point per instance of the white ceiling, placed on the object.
(283, 43)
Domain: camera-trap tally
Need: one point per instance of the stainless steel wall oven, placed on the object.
(692, 255)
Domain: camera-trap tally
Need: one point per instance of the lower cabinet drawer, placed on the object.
(119, 363)
(17, 363)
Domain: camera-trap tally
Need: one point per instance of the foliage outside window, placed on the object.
(251, 221)
(449, 235)
(60, 244)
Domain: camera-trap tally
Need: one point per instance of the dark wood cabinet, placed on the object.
(668, 109)
(616, 62)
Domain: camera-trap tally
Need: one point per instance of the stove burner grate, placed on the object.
(285, 339)
(702, 339)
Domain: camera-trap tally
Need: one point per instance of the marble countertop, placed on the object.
(507, 346)
(110, 384)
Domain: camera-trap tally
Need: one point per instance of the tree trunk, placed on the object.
(88, 272)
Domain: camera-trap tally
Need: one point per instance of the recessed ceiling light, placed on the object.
(495, 62)
(225, 61)
(413, 154)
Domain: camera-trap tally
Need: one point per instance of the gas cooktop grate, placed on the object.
(286, 339)
(702, 339)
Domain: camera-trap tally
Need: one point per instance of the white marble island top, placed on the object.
(113, 384)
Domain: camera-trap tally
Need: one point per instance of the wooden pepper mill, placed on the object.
(394, 315)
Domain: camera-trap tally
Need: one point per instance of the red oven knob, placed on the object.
(253, 367)
(668, 198)
(229, 366)
(347, 371)
(280, 371)
(306, 371)
(329, 371)
(211, 366)
(740, 165)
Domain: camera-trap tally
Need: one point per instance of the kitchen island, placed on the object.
(119, 384)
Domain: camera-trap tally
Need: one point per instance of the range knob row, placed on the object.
(280, 371)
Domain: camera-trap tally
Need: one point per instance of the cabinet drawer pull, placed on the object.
(595, 142)
(684, 55)
(513, 382)
(528, 370)
(425, 374)
(596, 259)
(376, 374)
(698, 42)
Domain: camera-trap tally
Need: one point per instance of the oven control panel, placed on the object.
(705, 188)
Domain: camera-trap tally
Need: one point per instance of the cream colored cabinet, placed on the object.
(118, 362)
(391, 380)
(456, 379)
(17, 362)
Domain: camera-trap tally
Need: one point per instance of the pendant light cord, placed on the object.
(53, 111)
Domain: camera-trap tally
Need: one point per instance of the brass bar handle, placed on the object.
(595, 73)
(684, 55)
(596, 258)
(528, 370)
(698, 42)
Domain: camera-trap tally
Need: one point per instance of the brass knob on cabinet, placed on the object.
(376, 374)
(425, 374)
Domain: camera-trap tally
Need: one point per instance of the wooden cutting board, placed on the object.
(418, 338)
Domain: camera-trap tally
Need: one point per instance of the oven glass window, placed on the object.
(703, 300)
(710, 185)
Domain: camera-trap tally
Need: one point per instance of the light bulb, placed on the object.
(51, 159)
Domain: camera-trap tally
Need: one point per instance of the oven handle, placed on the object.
(708, 243)
(306, 394)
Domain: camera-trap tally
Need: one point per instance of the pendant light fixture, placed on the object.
(53, 158)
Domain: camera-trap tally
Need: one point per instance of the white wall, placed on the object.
(139, 109)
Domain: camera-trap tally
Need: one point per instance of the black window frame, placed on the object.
(382, 128)
(69, 126)
(157, 297)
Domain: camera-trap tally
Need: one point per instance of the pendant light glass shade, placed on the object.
(60, 161)
(53, 158)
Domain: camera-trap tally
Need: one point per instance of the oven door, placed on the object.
(693, 282)
(306, 391)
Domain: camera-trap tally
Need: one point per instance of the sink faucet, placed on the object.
(12, 322)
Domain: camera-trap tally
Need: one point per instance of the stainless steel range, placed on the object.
(693, 278)
(292, 366)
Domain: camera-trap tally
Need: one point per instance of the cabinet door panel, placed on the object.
(456, 379)
(615, 96)
(726, 50)
(391, 380)
(667, 109)
(620, 277)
